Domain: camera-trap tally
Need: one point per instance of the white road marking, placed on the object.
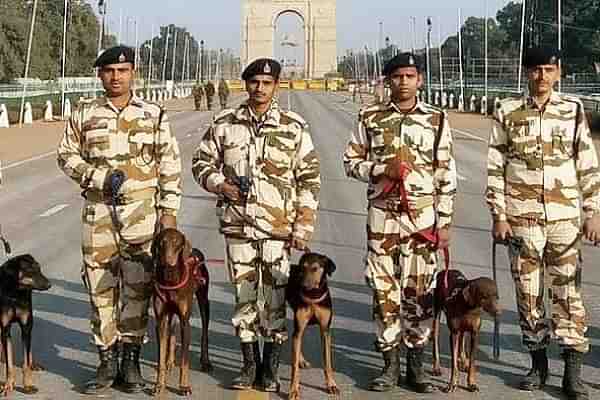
(35, 158)
(460, 177)
(54, 210)
(469, 135)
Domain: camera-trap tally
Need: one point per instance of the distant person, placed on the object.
(198, 93)
(120, 151)
(223, 93)
(209, 91)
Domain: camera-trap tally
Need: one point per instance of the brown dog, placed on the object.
(308, 295)
(462, 301)
(19, 277)
(180, 275)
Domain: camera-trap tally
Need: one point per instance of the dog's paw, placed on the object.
(294, 394)
(158, 390)
(333, 389)
(436, 372)
(451, 388)
(30, 389)
(185, 391)
(472, 387)
(463, 365)
(304, 364)
(7, 388)
(36, 366)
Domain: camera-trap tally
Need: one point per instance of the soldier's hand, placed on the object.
(168, 221)
(113, 182)
(443, 238)
(298, 244)
(231, 192)
(396, 169)
(502, 230)
(591, 229)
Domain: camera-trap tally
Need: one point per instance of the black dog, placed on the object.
(308, 295)
(19, 276)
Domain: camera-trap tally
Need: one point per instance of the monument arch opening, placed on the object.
(318, 17)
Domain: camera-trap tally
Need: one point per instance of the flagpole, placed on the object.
(64, 56)
(440, 51)
(164, 70)
(521, 47)
(486, 51)
(174, 55)
(35, 3)
(560, 42)
(150, 58)
(462, 88)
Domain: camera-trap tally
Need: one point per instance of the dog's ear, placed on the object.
(329, 266)
(187, 250)
(155, 249)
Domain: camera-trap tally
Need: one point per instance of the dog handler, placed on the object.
(403, 150)
(541, 160)
(261, 161)
(121, 152)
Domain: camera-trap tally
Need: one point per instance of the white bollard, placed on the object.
(496, 104)
(461, 103)
(48, 115)
(153, 98)
(163, 95)
(472, 106)
(67, 111)
(4, 117)
(444, 100)
(436, 99)
(451, 101)
(28, 116)
(484, 105)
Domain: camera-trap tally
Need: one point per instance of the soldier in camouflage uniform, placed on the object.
(198, 93)
(223, 93)
(541, 160)
(260, 160)
(403, 150)
(121, 152)
(209, 91)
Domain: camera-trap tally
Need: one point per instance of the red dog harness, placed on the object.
(428, 235)
(192, 272)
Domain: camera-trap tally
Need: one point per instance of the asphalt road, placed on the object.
(40, 212)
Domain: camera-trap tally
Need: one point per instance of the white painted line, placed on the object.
(54, 210)
(17, 163)
(469, 135)
(460, 177)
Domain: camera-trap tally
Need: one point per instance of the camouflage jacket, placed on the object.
(541, 162)
(198, 91)
(138, 140)
(209, 89)
(278, 157)
(383, 132)
(223, 89)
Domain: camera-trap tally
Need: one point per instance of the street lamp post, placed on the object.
(429, 25)
(202, 61)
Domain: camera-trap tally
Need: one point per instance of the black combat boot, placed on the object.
(390, 373)
(271, 354)
(415, 372)
(248, 371)
(538, 374)
(106, 373)
(131, 373)
(572, 385)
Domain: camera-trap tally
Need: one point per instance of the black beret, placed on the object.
(535, 56)
(400, 61)
(116, 55)
(262, 66)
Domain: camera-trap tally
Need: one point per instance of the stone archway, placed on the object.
(259, 18)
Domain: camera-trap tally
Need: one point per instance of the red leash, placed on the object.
(191, 264)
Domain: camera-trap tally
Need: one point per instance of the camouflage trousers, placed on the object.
(198, 104)
(209, 101)
(259, 269)
(118, 273)
(550, 248)
(400, 271)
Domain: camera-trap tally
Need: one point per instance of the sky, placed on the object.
(358, 21)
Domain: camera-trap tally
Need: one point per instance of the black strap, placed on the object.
(437, 140)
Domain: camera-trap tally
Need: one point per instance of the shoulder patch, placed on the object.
(294, 117)
(571, 99)
(224, 116)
